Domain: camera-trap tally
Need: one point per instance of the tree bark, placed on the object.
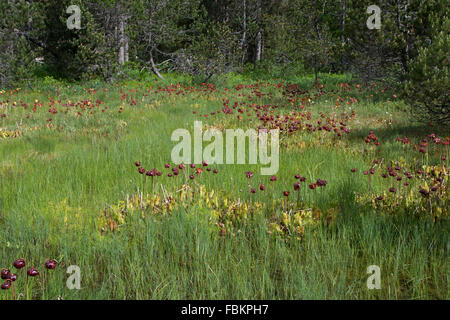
(154, 67)
(404, 28)
(244, 30)
(259, 34)
(123, 40)
(344, 15)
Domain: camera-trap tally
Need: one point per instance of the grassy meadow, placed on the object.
(70, 190)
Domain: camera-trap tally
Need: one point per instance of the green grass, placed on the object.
(55, 181)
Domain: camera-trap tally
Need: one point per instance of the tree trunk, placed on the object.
(259, 34)
(405, 29)
(123, 40)
(244, 31)
(344, 14)
(316, 71)
(258, 46)
(154, 67)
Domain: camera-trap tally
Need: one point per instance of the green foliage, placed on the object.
(214, 52)
(429, 80)
(17, 50)
(72, 54)
(208, 38)
(282, 54)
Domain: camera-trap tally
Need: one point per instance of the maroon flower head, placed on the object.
(6, 285)
(5, 273)
(296, 186)
(137, 163)
(50, 264)
(249, 174)
(286, 193)
(32, 272)
(273, 178)
(19, 263)
(151, 173)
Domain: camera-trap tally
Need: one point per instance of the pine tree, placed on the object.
(428, 87)
(72, 53)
